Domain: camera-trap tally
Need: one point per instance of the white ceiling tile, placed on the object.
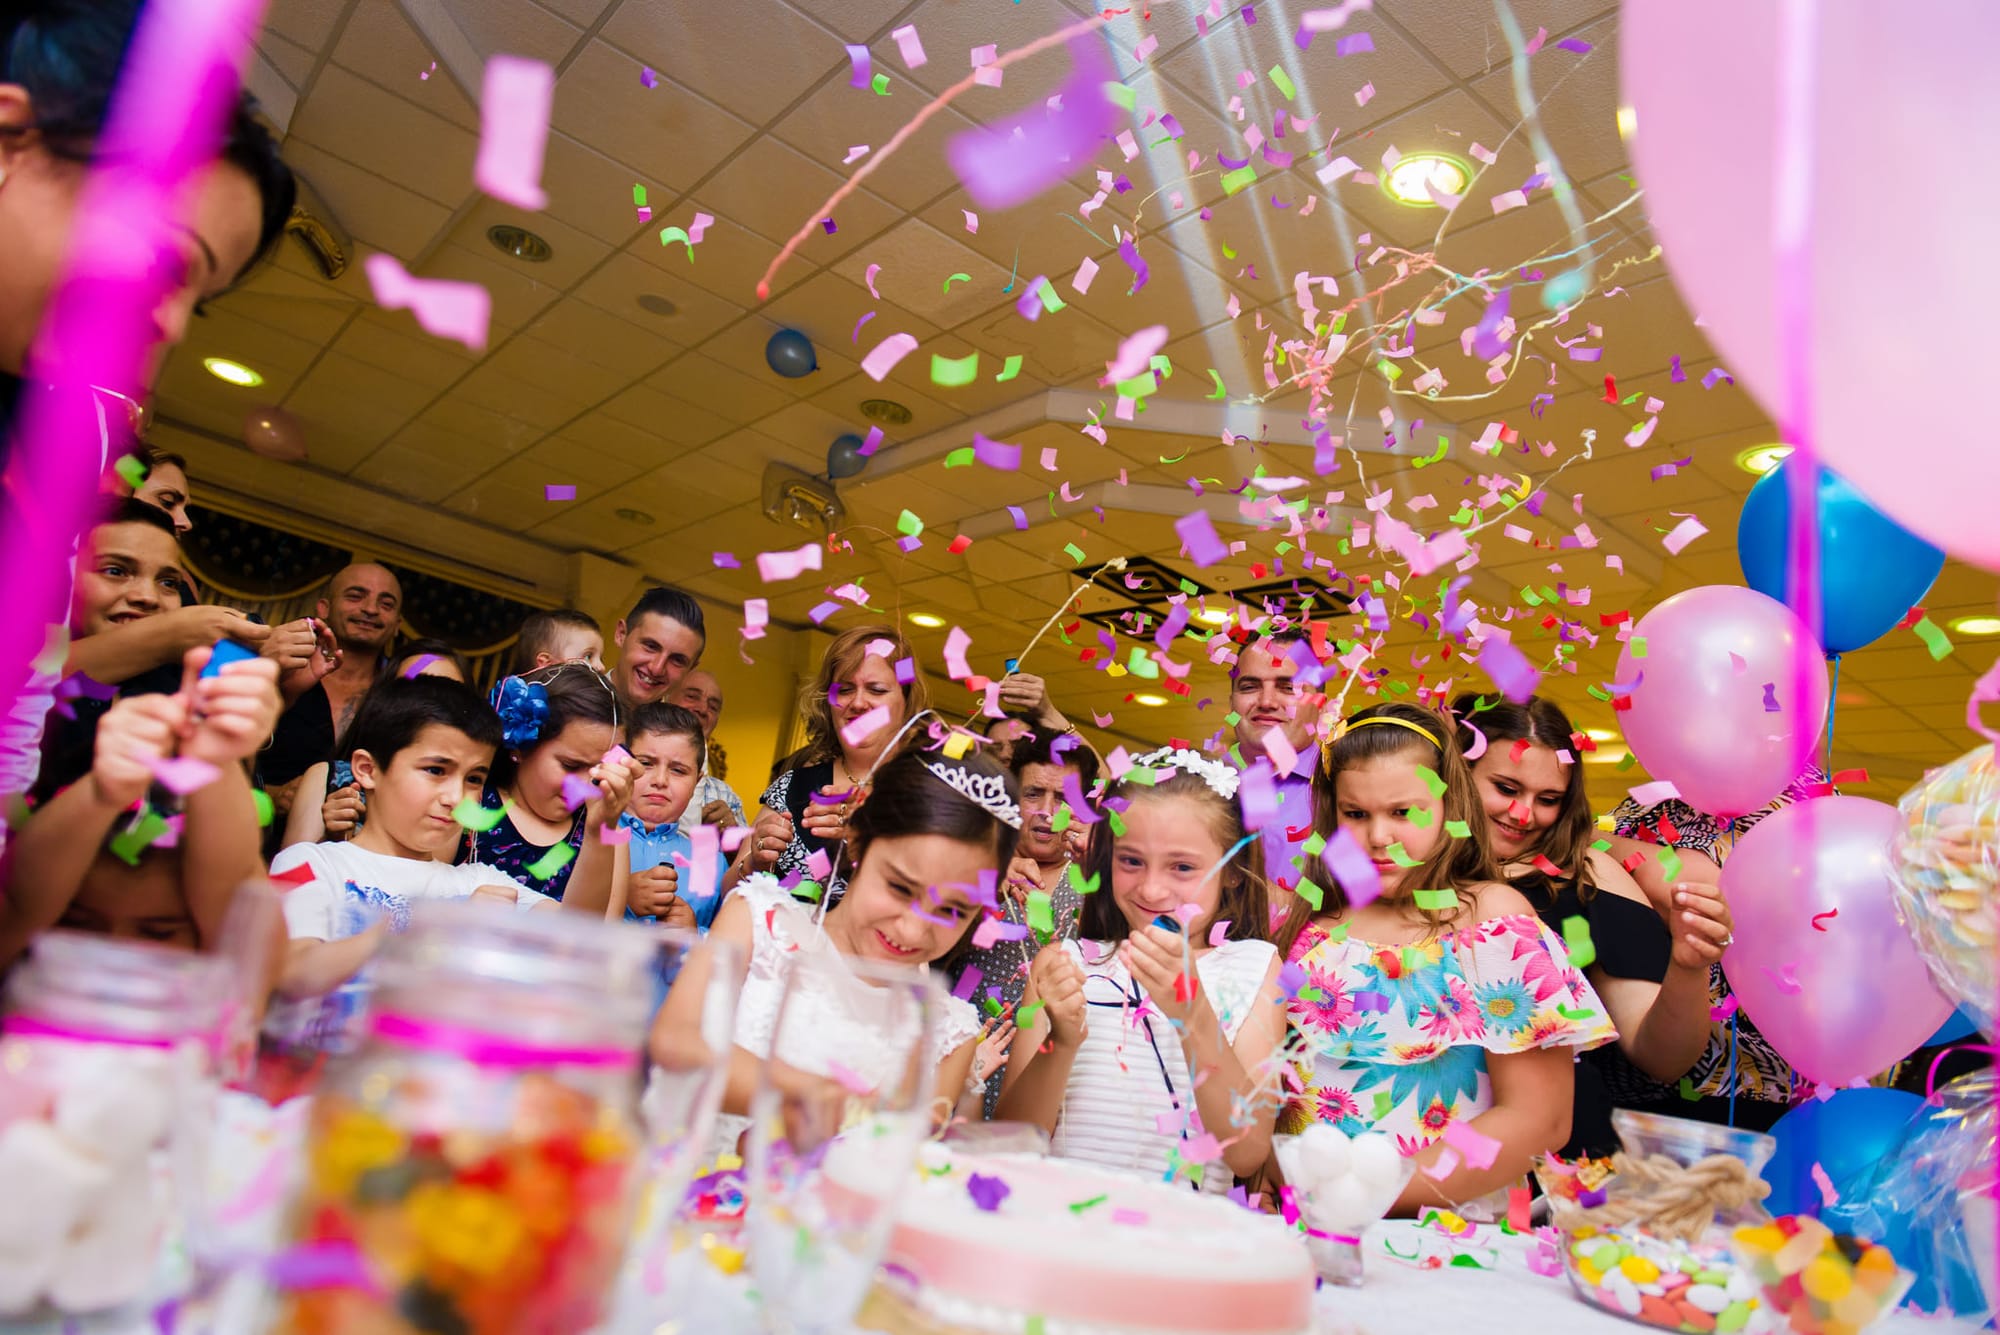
(291, 60)
(629, 274)
(310, 23)
(355, 120)
(632, 348)
(572, 253)
(373, 210)
(741, 395)
(667, 129)
(381, 45)
(518, 291)
(592, 193)
(764, 58)
(838, 117)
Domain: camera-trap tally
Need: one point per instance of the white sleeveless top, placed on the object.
(1118, 1111)
(781, 926)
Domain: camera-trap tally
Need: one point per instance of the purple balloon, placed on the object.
(1717, 659)
(1846, 997)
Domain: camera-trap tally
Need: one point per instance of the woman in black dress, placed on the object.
(1652, 972)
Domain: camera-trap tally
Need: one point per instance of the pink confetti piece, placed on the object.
(1124, 1214)
(971, 221)
(1828, 1196)
(1351, 866)
(1508, 668)
(1365, 95)
(613, 835)
(1660, 790)
(968, 982)
(706, 870)
(1443, 1166)
(818, 865)
(1684, 533)
(1284, 756)
(872, 443)
(1135, 354)
(184, 774)
(1197, 534)
(847, 1079)
(775, 566)
(559, 491)
(577, 790)
(1782, 979)
(869, 279)
(955, 645)
(887, 353)
(1354, 44)
(858, 730)
(1724, 1011)
(910, 45)
(514, 105)
(854, 155)
(1326, 20)
(445, 309)
(1535, 42)
(1010, 162)
(1085, 273)
(861, 66)
(1479, 1149)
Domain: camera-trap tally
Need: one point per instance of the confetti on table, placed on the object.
(445, 309)
(514, 105)
(987, 1191)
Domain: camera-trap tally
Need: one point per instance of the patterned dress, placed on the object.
(1396, 1038)
(507, 848)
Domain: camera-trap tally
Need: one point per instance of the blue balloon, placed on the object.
(1850, 1136)
(1959, 1026)
(1872, 569)
(791, 354)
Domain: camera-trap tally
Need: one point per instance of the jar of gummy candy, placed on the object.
(471, 1166)
(1646, 1233)
(106, 1077)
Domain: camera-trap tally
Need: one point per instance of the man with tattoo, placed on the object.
(361, 612)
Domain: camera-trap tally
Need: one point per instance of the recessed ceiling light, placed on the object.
(928, 620)
(1600, 734)
(639, 517)
(1628, 122)
(1213, 616)
(1149, 699)
(1980, 625)
(1409, 181)
(519, 242)
(654, 303)
(236, 373)
(885, 410)
(1761, 459)
(1606, 755)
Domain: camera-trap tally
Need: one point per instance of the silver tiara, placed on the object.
(987, 791)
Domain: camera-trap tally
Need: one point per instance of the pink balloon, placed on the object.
(1702, 77)
(1716, 659)
(274, 433)
(1850, 997)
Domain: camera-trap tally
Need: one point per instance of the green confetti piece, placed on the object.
(1435, 455)
(951, 372)
(1338, 933)
(1078, 1207)
(1221, 390)
(1530, 597)
(1117, 824)
(1008, 372)
(881, 85)
(1602, 845)
(1083, 885)
(1283, 81)
(1384, 1102)
(1637, 644)
(1227, 253)
(1041, 912)
(909, 525)
(1401, 858)
(1431, 780)
(955, 278)
(1139, 386)
(1314, 845)
(1436, 901)
(669, 235)
(1046, 292)
(548, 864)
(1934, 639)
(1025, 1017)
(1626, 762)
(639, 196)
(1062, 819)
(1576, 935)
(1389, 369)
(477, 818)
(1075, 552)
(1421, 817)
(132, 470)
(259, 799)
(1119, 94)
(809, 891)
(1034, 1324)
(128, 844)
(1233, 182)
(960, 458)
(1310, 893)
(1142, 666)
(1688, 1091)
(1670, 864)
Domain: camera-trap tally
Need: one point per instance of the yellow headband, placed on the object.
(1392, 721)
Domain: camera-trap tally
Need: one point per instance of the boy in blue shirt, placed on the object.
(666, 744)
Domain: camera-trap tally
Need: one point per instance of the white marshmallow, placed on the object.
(1325, 1152)
(119, 1120)
(110, 1259)
(1376, 1162)
(23, 1276)
(49, 1184)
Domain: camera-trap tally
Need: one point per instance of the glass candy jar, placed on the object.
(470, 1167)
(105, 1080)
(1646, 1234)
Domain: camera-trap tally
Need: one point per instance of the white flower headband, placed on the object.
(1220, 778)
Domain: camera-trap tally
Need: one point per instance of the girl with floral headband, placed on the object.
(1153, 1039)
(1435, 1005)
(559, 780)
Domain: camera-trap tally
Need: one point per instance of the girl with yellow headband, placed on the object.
(1435, 1005)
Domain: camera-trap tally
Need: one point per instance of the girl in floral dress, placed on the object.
(1434, 1005)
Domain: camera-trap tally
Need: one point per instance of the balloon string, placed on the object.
(1832, 704)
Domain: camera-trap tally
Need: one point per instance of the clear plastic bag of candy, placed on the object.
(1646, 1233)
(1946, 865)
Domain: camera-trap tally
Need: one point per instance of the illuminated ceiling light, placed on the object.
(1600, 734)
(236, 373)
(1408, 181)
(1761, 459)
(1606, 755)
(1213, 616)
(1977, 625)
(928, 620)
(1628, 122)
(1150, 699)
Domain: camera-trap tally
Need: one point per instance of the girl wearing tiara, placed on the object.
(930, 830)
(1152, 1039)
(1435, 1005)
(558, 781)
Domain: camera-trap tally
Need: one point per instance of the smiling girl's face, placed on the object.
(1522, 790)
(910, 900)
(1164, 860)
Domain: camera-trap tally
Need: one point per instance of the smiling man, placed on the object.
(714, 802)
(1264, 698)
(659, 643)
(362, 609)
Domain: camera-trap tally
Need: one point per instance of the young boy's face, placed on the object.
(142, 903)
(411, 798)
(127, 572)
(573, 643)
(668, 772)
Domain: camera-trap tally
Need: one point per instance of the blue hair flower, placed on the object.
(523, 707)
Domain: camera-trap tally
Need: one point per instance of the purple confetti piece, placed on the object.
(1371, 1001)
(1079, 806)
(648, 78)
(1129, 252)
(1176, 622)
(1234, 164)
(1771, 705)
(1250, 14)
(830, 226)
(1303, 38)
(1353, 870)
(1716, 373)
(1486, 341)
(872, 444)
(1020, 517)
(863, 67)
(1258, 795)
(824, 610)
(1197, 534)
(559, 491)
(727, 561)
(1679, 376)
(322, 1265)
(855, 337)
(1013, 161)
(987, 1191)
(415, 667)
(1354, 44)
(968, 982)
(995, 453)
(1509, 669)
(906, 671)
(1576, 44)
(576, 790)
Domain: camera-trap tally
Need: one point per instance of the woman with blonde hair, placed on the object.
(867, 687)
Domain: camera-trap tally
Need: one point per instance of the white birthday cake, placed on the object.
(1005, 1244)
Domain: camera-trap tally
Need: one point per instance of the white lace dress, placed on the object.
(781, 926)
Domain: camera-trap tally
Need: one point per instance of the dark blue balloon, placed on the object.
(791, 354)
(1872, 569)
(1849, 1136)
(1959, 1026)
(844, 457)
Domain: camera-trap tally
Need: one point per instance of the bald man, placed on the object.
(714, 802)
(360, 613)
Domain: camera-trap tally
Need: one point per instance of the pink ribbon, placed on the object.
(25, 1026)
(488, 1049)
